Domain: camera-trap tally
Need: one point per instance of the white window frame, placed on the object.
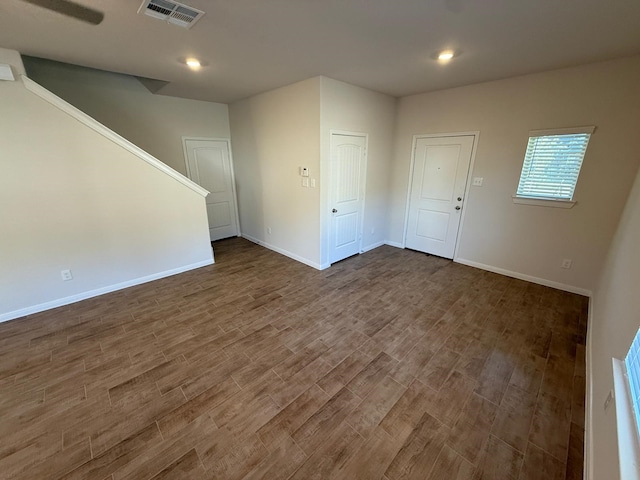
(550, 201)
(632, 375)
(627, 424)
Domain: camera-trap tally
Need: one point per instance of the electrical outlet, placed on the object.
(313, 183)
(373, 230)
(66, 275)
(566, 263)
(268, 230)
(607, 401)
(477, 181)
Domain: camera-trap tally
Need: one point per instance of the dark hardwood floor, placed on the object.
(389, 365)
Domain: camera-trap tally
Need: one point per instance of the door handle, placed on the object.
(334, 211)
(458, 207)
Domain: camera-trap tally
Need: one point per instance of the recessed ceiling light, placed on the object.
(193, 63)
(446, 55)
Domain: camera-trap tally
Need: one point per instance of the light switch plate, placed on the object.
(305, 181)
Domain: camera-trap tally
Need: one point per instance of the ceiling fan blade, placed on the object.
(71, 9)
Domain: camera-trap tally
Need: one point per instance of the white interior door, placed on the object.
(440, 168)
(348, 170)
(209, 165)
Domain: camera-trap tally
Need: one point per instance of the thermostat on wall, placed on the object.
(304, 172)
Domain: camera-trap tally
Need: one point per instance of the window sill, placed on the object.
(628, 448)
(543, 202)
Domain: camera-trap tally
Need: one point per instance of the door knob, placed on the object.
(334, 211)
(459, 199)
(458, 207)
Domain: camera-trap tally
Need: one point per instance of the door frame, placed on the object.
(476, 135)
(233, 175)
(363, 187)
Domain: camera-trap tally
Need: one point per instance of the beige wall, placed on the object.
(349, 108)
(72, 199)
(155, 123)
(273, 134)
(528, 240)
(615, 318)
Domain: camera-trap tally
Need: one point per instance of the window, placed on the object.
(632, 366)
(626, 391)
(552, 164)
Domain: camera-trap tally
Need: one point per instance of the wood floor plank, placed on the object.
(187, 466)
(300, 382)
(280, 427)
(552, 425)
(420, 451)
(451, 466)
(471, 432)
(436, 372)
(184, 414)
(372, 459)
(110, 460)
(330, 458)
(312, 432)
(339, 376)
(373, 408)
(156, 458)
(405, 414)
(284, 459)
(238, 462)
(539, 465)
(371, 375)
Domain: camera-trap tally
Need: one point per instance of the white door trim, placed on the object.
(476, 135)
(363, 187)
(233, 175)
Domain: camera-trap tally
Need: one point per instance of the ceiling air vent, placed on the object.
(172, 12)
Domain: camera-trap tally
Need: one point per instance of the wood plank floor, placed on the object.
(389, 365)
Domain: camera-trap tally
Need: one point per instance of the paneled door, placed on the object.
(348, 170)
(440, 169)
(209, 165)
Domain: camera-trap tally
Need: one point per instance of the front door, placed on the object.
(348, 167)
(209, 165)
(440, 168)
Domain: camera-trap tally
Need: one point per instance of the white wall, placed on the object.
(273, 134)
(155, 123)
(531, 240)
(350, 108)
(72, 199)
(615, 318)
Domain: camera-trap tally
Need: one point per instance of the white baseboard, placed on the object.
(393, 244)
(588, 421)
(284, 252)
(373, 246)
(528, 278)
(99, 291)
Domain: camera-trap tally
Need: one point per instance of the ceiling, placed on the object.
(252, 46)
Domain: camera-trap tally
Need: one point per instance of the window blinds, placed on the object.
(632, 363)
(552, 165)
